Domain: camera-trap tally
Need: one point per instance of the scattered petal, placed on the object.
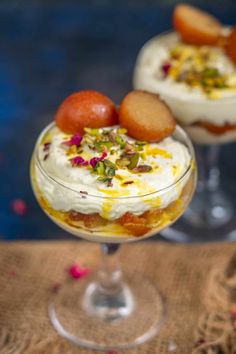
(19, 207)
(112, 352)
(78, 160)
(74, 140)
(128, 182)
(200, 341)
(12, 274)
(56, 287)
(95, 160)
(76, 272)
(46, 146)
(166, 68)
(45, 157)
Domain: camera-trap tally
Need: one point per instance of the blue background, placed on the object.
(49, 49)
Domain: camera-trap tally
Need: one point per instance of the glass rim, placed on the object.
(223, 100)
(157, 193)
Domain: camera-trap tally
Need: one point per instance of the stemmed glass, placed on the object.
(211, 214)
(104, 311)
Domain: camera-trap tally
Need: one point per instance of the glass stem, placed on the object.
(208, 168)
(110, 274)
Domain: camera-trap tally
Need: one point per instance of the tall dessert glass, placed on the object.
(208, 116)
(103, 311)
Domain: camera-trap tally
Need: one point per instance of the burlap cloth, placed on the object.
(29, 272)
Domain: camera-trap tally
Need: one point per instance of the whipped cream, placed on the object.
(67, 187)
(157, 52)
(189, 105)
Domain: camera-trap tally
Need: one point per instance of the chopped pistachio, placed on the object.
(140, 143)
(110, 172)
(133, 161)
(108, 163)
(210, 72)
(142, 168)
(122, 162)
(106, 180)
(120, 141)
(129, 149)
(98, 147)
(92, 131)
(100, 168)
(101, 145)
(121, 131)
(112, 136)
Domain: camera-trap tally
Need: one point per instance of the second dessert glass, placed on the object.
(211, 214)
(104, 311)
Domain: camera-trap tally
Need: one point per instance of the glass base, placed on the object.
(90, 318)
(210, 217)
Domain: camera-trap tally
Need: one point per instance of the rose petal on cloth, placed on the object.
(12, 274)
(77, 272)
(19, 207)
(56, 287)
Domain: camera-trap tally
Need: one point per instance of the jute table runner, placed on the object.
(29, 273)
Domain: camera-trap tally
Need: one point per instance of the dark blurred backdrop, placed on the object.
(49, 49)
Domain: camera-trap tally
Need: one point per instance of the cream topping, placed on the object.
(87, 190)
(160, 52)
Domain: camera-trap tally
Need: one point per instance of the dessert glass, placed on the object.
(103, 311)
(211, 213)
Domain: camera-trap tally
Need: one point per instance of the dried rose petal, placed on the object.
(45, 157)
(46, 146)
(200, 341)
(128, 182)
(56, 287)
(74, 140)
(112, 352)
(12, 274)
(76, 272)
(95, 160)
(19, 206)
(78, 160)
(166, 68)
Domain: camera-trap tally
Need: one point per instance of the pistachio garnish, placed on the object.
(110, 164)
(142, 168)
(133, 161)
(122, 162)
(106, 180)
(100, 168)
(129, 149)
(92, 131)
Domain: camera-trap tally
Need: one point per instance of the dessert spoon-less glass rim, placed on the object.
(103, 311)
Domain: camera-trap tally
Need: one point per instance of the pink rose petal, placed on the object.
(74, 140)
(77, 272)
(78, 160)
(19, 207)
(95, 160)
(166, 68)
(12, 274)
